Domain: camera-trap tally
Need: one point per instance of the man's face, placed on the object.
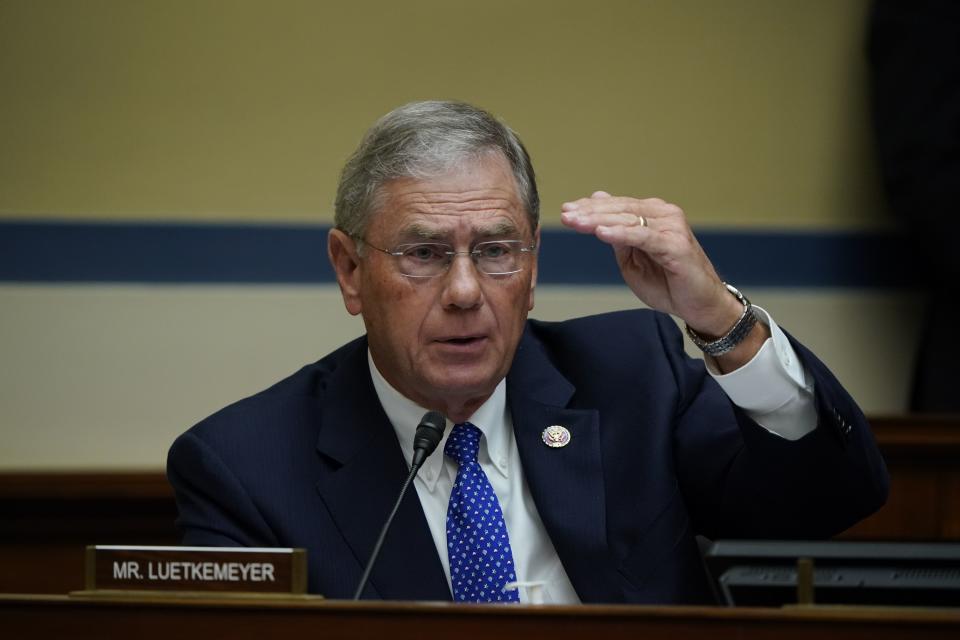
(446, 341)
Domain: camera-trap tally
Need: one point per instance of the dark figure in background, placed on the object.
(914, 52)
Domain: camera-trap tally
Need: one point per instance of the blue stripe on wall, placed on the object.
(291, 254)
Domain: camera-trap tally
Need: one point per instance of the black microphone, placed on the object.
(428, 436)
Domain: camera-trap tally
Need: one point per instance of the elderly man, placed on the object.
(582, 457)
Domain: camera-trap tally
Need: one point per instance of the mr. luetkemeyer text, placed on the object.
(180, 570)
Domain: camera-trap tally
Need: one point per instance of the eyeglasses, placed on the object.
(431, 259)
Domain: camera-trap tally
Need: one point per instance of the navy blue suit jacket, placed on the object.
(658, 454)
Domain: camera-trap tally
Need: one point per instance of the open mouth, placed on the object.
(462, 341)
(462, 349)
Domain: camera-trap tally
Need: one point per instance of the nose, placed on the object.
(461, 286)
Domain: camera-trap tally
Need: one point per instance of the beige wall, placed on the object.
(107, 377)
(746, 112)
(742, 111)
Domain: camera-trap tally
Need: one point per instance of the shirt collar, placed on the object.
(404, 414)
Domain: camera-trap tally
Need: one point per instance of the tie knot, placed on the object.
(463, 444)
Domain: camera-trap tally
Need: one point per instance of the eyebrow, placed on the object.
(418, 232)
(502, 228)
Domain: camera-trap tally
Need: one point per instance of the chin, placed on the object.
(464, 384)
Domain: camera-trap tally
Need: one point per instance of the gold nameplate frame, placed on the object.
(206, 570)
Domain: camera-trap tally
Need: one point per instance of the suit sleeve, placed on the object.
(214, 508)
(739, 480)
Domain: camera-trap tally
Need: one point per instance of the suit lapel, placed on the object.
(365, 470)
(567, 482)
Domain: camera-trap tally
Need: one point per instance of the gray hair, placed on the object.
(424, 140)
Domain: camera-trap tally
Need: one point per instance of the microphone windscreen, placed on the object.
(429, 432)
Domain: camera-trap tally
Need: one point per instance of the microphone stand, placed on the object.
(428, 435)
(383, 533)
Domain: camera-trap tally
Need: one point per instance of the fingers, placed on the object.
(587, 222)
(587, 215)
(619, 236)
(652, 226)
(602, 203)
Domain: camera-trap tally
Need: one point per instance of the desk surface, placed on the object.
(146, 617)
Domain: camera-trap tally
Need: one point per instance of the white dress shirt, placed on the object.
(772, 388)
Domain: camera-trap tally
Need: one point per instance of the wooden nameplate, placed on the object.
(194, 571)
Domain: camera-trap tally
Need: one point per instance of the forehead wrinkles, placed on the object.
(442, 202)
(498, 227)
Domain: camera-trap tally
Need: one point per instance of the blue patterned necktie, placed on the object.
(478, 547)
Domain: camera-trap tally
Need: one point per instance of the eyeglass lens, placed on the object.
(426, 259)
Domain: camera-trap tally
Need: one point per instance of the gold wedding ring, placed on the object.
(640, 220)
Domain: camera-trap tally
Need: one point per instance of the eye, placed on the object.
(494, 250)
(424, 252)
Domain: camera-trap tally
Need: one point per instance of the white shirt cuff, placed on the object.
(773, 388)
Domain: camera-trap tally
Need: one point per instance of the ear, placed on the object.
(342, 251)
(533, 268)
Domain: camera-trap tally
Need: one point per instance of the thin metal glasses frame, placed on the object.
(447, 250)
